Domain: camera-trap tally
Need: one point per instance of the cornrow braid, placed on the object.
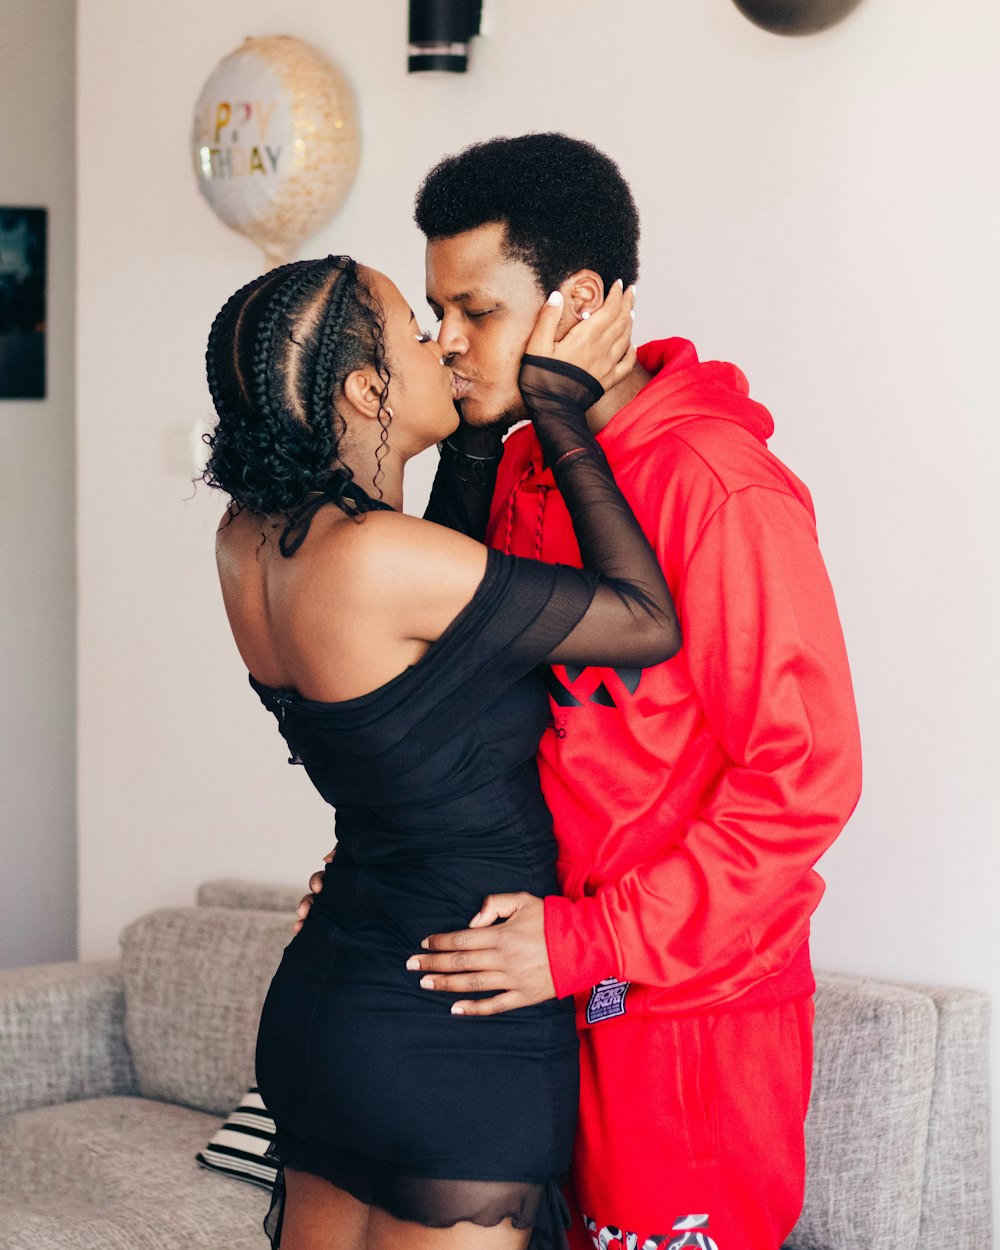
(264, 458)
(330, 330)
(274, 370)
(264, 341)
(322, 416)
(225, 396)
(350, 284)
(222, 399)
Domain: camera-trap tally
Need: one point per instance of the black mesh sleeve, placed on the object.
(631, 618)
(463, 485)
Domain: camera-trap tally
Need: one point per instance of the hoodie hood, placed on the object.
(681, 389)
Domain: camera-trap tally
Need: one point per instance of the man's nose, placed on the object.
(450, 339)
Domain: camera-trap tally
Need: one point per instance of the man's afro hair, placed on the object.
(565, 205)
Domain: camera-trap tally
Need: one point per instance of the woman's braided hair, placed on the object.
(278, 354)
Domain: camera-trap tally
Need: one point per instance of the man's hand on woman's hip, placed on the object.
(511, 957)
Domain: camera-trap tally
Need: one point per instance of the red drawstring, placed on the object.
(543, 492)
(509, 538)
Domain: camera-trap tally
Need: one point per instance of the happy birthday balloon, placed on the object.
(275, 142)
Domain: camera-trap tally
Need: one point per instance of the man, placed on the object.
(690, 800)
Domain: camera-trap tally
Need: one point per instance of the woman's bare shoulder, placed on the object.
(393, 540)
(382, 555)
(419, 574)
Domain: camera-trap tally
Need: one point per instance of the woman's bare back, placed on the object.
(359, 602)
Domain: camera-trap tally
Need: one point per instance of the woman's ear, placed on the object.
(583, 292)
(362, 391)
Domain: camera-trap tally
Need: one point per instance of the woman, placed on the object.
(401, 661)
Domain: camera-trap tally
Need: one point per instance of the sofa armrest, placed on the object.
(62, 1034)
(866, 1132)
(957, 1198)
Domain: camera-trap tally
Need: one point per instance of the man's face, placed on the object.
(487, 304)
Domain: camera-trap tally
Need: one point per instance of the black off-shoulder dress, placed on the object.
(371, 1080)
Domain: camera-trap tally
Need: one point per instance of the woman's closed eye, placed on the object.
(424, 336)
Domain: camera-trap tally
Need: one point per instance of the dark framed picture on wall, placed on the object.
(23, 243)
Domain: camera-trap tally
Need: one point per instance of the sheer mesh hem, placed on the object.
(430, 1201)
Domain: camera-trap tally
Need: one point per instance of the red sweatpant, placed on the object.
(691, 1130)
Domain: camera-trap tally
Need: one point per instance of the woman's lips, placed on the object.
(459, 386)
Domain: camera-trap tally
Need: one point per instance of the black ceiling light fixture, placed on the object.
(796, 17)
(440, 33)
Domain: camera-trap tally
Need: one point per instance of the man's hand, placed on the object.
(315, 885)
(510, 957)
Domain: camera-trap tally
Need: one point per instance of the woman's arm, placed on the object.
(631, 619)
(421, 576)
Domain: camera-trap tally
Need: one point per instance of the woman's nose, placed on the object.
(434, 347)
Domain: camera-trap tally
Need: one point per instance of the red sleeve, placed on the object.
(766, 658)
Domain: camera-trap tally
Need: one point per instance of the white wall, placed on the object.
(38, 919)
(821, 210)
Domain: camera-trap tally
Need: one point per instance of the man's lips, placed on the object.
(459, 385)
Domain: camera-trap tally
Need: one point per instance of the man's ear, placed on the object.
(362, 391)
(583, 292)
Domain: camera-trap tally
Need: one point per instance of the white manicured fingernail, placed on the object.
(621, 283)
(632, 313)
(457, 1011)
(555, 298)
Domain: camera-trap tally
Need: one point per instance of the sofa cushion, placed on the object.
(237, 1148)
(195, 980)
(119, 1174)
(866, 1132)
(252, 895)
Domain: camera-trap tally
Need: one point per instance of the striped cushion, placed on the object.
(237, 1148)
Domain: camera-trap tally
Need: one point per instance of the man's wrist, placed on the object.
(581, 947)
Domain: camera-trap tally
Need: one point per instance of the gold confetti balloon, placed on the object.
(275, 142)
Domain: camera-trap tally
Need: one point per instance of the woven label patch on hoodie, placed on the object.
(607, 1000)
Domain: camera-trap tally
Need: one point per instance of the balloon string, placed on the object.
(273, 259)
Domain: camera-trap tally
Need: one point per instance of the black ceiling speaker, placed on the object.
(440, 33)
(795, 17)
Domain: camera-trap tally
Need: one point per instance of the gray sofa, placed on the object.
(114, 1074)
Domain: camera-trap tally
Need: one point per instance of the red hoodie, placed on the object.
(691, 800)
